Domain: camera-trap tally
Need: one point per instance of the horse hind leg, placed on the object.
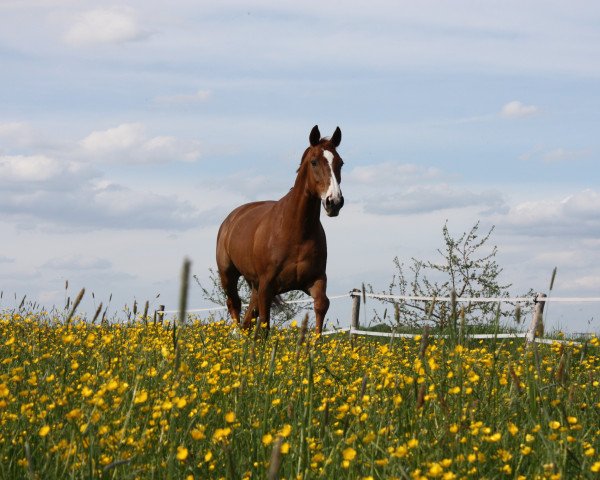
(265, 299)
(318, 293)
(229, 282)
(251, 311)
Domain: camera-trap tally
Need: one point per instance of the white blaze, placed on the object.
(334, 192)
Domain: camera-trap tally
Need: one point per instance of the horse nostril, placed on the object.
(328, 201)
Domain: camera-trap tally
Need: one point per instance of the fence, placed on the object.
(535, 327)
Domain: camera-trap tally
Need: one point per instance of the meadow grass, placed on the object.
(142, 400)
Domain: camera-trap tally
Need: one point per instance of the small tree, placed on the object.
(467, 267)
(281, 311)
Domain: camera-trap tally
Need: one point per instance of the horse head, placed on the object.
(323, 168)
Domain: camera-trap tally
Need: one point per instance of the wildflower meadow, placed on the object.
(145, 400)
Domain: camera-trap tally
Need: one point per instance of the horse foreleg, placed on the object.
(317, 292)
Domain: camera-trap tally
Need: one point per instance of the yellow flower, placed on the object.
(589, 452)
(435, 470)
(4, 391)
(369, 437)
(512, 428)
(413, 443)
(208, 456)
(198, 433)
(348, 454)
(141, 397)
(230, 417)
(554, 425)
(285, 447)
(285, 430)
(221, 434)
(267, 439)
(112, 385)
(44, 431)
(595, 467)
(182, 453)
(318, 457)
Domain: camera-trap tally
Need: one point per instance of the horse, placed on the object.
(279, 246)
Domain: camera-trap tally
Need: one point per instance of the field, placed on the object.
(139, 400)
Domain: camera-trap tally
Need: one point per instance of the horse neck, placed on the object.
(304, 207)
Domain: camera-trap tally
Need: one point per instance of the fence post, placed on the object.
(355, 309)
(160, 313)
(536, 329)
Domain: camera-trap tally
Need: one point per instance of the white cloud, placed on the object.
(406, 188)
(5, 259)
(574, 215)
(431, 198)
(102, 205)
(122, 137)
(556, 155)
(41, 171)
(105, 25)
(392, 173)
(16, 133)
(129, 143)
(516, 109)
(584, 282)
(34, 168)
(563, 155)
(78, 262)
(199, 96)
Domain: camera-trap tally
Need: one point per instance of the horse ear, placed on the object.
(336, 138)
(315, 136)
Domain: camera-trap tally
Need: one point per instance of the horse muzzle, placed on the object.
(333, 206)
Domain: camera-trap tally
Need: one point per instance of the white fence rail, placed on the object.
(531, 335)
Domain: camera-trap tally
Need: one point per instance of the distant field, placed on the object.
(139, 400)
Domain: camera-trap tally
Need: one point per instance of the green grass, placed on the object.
(133, 400)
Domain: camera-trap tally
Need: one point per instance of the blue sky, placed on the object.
(129, 130)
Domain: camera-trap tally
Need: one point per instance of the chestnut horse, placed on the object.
(278, 246)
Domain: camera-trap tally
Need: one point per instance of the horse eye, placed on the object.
(313, 163)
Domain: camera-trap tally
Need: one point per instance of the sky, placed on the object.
(128, 131)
